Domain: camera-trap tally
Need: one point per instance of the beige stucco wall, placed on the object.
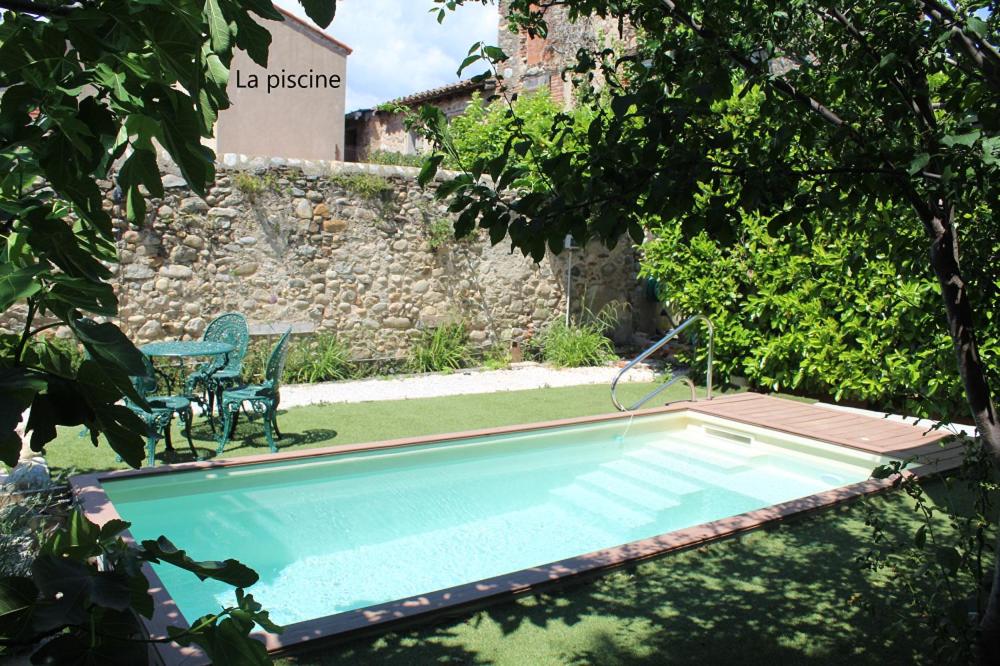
(292, 123)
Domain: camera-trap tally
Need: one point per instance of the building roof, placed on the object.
(334, 42)
(466, 85)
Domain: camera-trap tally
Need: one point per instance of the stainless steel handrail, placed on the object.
(655, 348)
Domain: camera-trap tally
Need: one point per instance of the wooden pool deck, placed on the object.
(865, 433)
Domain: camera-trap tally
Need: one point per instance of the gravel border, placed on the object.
(519, 377)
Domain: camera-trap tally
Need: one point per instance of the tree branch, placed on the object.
(778, 84)
(939, 11)
(977, 52)
(869, 50)
(26, 333)
(785, 88)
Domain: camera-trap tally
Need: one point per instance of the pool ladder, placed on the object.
(683, 378)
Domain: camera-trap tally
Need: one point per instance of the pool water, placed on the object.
(335, 533)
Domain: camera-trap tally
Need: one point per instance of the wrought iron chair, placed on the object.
(223, 371)
(162, 410)
(262, 398)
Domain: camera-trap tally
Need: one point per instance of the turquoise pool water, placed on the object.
(331, 534)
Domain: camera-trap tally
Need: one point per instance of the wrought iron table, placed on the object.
(186, 348)
(182, 349)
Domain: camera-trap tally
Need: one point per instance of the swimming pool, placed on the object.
(343, 540)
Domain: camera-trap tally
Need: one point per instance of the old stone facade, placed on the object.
(537, 63)
(370, 130)
(358, 250)
(534, 64)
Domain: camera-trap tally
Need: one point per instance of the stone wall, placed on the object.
(315, 249)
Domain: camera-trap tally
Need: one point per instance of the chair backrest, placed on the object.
(145, 384)
(230, 328)
(276, 363)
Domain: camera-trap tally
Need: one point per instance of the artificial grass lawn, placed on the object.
(789, 594)
(331, 425)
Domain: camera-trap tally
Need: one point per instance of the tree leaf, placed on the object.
(123, 430)
(229, 571)
(18, 387)
(429, 169)
(17, 597)
(966, 139)
(320, 11)
(18, 283)
(918, 163)
(218, 27)
(949, 558)
(69, 587)
(105, 342)
(977, 26)
(254, 39)
(470, 60)
(920, 538)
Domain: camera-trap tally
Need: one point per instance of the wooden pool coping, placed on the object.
(865, 433)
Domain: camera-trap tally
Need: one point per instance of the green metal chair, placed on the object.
(162, 410)
(223, 371)
(262, 398)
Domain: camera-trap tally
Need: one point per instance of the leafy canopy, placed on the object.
(842, 118)
(92, 92)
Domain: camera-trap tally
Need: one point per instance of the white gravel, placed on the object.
(519, 377)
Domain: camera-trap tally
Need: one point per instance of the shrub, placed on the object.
(248, 184)
(583, 344)
(498, 357)
(482, 131)
(321, 357)
(365, 185)
(444, 347)
(440, 232)
(391, 158)
(826, 310)
(571, 346)
(253, 185)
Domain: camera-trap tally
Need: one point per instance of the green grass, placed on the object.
(789, 594)
(331, 425)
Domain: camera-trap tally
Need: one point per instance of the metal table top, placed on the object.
(182, 348)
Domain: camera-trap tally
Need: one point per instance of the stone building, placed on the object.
(535, 63)
(294, 108)
(380, 129)
(538, 62)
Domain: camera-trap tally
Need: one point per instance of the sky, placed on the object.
(399, 47)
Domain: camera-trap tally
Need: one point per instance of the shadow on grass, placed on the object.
(248, 439)
(790, 594)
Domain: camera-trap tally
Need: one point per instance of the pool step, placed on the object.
(631, 492)
(602, 506)
(660, 480)
(676, 463)
(727, 459)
